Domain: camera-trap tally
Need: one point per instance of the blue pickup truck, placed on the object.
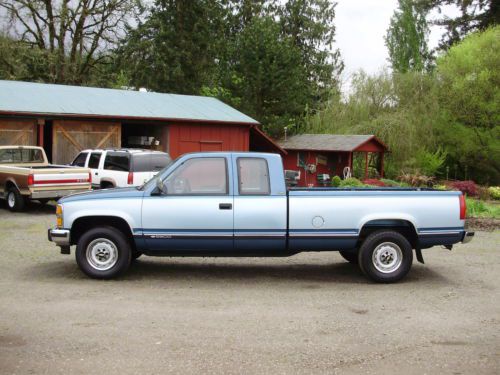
(237, 204)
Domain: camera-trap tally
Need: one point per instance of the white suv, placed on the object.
(121, 167)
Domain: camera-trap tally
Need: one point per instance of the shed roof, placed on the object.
(49, 99)
(327, 142)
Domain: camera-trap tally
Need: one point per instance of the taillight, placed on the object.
(31, 180)
(463, 207)
(130, 178)
(90, 177)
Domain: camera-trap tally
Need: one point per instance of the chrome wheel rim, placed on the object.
(387, 257)
(11, 199)
(102, 254)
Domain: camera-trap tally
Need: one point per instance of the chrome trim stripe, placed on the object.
(428, 233)
(324, 234)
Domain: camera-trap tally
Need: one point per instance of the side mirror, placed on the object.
(162, 189)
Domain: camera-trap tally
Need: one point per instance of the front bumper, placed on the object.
(468, 236)
(61, 237)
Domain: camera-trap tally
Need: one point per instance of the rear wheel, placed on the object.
(350, 256)
(15, 201)
(385, 256)
(103, 253)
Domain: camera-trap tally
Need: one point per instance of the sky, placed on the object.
(361, 27)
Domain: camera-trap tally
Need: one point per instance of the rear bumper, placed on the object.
(61, 237)
(467, 237)
(55, 193)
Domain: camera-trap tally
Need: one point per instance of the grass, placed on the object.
(482, 209)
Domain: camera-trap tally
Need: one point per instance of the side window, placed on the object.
(149, 162)
(80, 160)
(117, 161)
(94, 160)
(253, 176)
(199, 176)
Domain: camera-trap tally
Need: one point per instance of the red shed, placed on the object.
(66, 119)
(319, 157)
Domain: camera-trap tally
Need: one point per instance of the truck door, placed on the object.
(260, 208)
(196, 212)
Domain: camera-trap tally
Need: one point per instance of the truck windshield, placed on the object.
(21, 155)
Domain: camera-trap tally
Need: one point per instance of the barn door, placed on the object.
(17, 132)
(71, 137)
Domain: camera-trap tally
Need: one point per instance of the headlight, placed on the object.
(59, 216)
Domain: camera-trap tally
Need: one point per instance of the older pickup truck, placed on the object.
(237, 204)
(26, 174)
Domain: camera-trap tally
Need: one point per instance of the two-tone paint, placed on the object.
(276, 224)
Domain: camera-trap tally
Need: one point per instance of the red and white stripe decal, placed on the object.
(70, 178)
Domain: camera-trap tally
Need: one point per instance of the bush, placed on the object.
(467, 187)
(429, 163)
(391, 183)
(351, 182)
(440, 187)
(373, 182)
(416, 179)
(336, 181)
(494, 192)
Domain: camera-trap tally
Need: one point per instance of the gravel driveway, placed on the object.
(311, 313)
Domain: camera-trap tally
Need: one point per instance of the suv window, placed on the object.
(21, 155)
(94, 159)
(253, 176)
(80, 160)
(149, 162)
(199, 176)
(117, 161)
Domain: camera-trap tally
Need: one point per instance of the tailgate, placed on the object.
(71, 178)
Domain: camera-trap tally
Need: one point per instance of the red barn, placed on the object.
(66, 119)
(318, 157)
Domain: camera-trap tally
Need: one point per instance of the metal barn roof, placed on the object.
(326, 142)
(49, 99)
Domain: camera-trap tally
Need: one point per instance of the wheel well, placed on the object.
(9, 184)
(105, 184)
(404, 227)
(83, 224)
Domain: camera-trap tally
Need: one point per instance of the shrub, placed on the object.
(429, 163)
(416, 179)
(466, 187)
(390, 183)
(477, 208)
(373, 182)
(336, 181)
(440, 187)
(351, 182)
(494, 192)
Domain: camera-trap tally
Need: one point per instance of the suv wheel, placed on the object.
(385, 256)
(103, 253)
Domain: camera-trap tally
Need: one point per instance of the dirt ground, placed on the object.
(311, 313)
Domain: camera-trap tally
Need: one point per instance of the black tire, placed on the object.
(385, 263)
(102, 240)
(15, 201)
(350, 256)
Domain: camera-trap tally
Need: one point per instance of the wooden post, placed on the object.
(41, 125)
(366, 165)
(382, 164)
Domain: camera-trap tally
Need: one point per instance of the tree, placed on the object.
(310, 25)
(470, 98)
(175, 49)
(74, 34)
(475, 15)
(406, 38)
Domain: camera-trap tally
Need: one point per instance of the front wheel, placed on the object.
(385, 256)
(103, 253)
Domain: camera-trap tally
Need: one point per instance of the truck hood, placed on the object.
(129, 192)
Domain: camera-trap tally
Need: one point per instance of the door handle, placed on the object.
(225, 206)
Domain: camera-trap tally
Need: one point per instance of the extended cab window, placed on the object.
(199, 176)
(80, 160)
(253, 176)
(117, 161)
(94, 159)
(21, 155)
